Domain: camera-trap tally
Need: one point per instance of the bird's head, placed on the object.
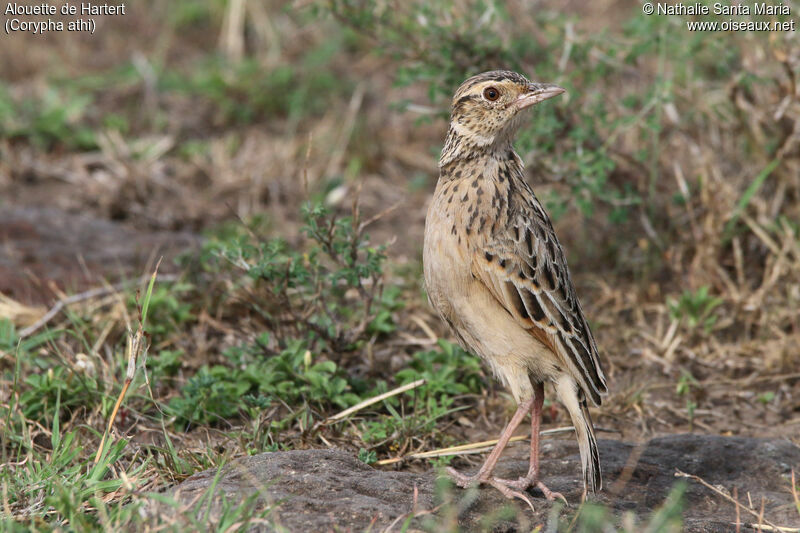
(487, 108)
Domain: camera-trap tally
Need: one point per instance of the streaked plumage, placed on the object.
(496, 273)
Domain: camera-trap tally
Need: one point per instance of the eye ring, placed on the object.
(491, 93)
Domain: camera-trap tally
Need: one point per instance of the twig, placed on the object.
(679, 473)
(380, 215)
(738, 517)
(305, 165)
(87, 295)
(346, 130)
(749, 193)
(424, 327)
(231, 39)
(414, 513)
(627, 471)
(376, 399)
(781, 529)
(764, 527)
(742, 381)
(467, 449)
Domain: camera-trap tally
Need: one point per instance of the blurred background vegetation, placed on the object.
(296, 143)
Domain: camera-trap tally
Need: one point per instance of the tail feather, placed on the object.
(575, 402)
(592, 475)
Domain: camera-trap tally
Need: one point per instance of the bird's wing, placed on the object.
(524, 267)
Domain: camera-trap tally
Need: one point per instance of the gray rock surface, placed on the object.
(330, 490)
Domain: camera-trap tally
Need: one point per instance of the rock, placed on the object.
(319, 489)
(331, 490)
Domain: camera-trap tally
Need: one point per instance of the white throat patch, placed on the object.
(463, 131)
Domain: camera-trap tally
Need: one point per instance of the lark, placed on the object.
(496, 274)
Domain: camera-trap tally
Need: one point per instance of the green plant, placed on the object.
(367, 456)
(291, 376)
(11, 343)
(245, 91)
(591, 517)
(697, 308)
(55, 116)
(684, 389)
(390, 301)
(169, 310)
(392, 430)
(57, 482)
(449, 371)
(440, 462)
(165, 363)
(766, 397)
(328, 292)
(315, 301)
(73, 390)
(437, 45)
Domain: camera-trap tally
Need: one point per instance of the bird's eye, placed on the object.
(491, 94)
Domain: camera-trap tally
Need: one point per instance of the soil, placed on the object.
(45, 249)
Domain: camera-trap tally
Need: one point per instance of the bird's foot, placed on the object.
(526, 482)
(507, 488)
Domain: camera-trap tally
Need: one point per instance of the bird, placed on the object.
(497, 275)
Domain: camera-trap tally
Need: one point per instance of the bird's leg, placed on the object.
(532, 479)
(484, 475)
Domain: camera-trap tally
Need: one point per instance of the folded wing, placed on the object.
(524, 267)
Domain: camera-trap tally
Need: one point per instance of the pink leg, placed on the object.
(532, 479)
(536, 422)
(485, 472)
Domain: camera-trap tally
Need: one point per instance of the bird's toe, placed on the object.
(549, 494)
(509, 491)
(521, 483)
(463, 480)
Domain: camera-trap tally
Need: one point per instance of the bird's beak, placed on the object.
(536, 93)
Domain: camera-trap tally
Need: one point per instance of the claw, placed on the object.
(509, 493)
(549, 494)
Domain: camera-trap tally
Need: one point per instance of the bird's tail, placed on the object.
(578, 409)
(590, 456)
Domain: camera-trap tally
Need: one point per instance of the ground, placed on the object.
(315, 490)
(280, 160)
